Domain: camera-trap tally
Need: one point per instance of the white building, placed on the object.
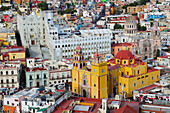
(46, 72)
(44, 103)
(10, 74)
(15, 100)
(42, 30)
(89, 40)
(31, 29)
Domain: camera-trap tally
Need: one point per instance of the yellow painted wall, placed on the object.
(137, 80)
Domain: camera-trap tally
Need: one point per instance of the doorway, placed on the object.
(84, 93)
(33, 42)
(38, 84)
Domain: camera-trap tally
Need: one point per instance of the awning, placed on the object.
(33, 108)
(43, 109)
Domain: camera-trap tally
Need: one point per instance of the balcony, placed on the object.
(60, 78)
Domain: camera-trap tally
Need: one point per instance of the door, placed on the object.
(84, 93)
(38, 84)
(33, 42)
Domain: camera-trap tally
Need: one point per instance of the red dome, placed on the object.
(124, 54)
(78, 47)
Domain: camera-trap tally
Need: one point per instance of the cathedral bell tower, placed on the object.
(79, 60)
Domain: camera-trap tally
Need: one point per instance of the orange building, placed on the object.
(9, 109)
(115, 48)
(21, 1)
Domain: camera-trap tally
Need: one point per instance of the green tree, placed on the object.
(43, 6)
(151, 24)
(157, 53)
(4, 8)
(138, 26)
(117, 26)
(141, 28)
(19, 12)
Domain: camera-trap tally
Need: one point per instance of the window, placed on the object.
(1, 72)
(7, 102)
(122, 73)
(142, 82)
(74, 79)
(7, 81)
(157, 76)
(124, 62)
(127, 73)
(12, 80)
(7, 111)
(6, 72)
(102, 70)
(84, 82)
(38, 77)
(45, 76)
(95, 70)
(94, 96)
(112, 50)
(45, 82)
(131, 61)
(62, 80)
(124, 85)
(2, 81)
(134, 84)
(129, 49)
(75, 90)
(58, 81)
(94, 85)
(138, 71)
(25, 103)
(118, 49)
(120, 84)
(30, 77)
(146, 76)
(138, 78)
(30, 84)
(13, 57)
(152, 78)
(118, 61)
(12, 72)
(142, 76)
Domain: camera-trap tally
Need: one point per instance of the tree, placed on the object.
(118, 11)
(157, 53)
(113, 4)
(117, 26)
(43, 6)
(3, 8)
(19, 12)
(141, 28)
(151, 24)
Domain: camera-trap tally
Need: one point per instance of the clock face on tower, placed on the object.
(102, 70)
(95, 70)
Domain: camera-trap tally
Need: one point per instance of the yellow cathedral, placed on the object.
(121, 75)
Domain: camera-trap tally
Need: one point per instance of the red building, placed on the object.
(93, 105)
(7, 18)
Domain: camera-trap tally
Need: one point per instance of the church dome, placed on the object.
(124, 57)
(78, 48)
(130, 28)
(124, 54)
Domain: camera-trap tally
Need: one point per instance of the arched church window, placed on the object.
(84, 82)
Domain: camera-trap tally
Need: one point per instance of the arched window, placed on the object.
(81, 65)
(84, 82)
